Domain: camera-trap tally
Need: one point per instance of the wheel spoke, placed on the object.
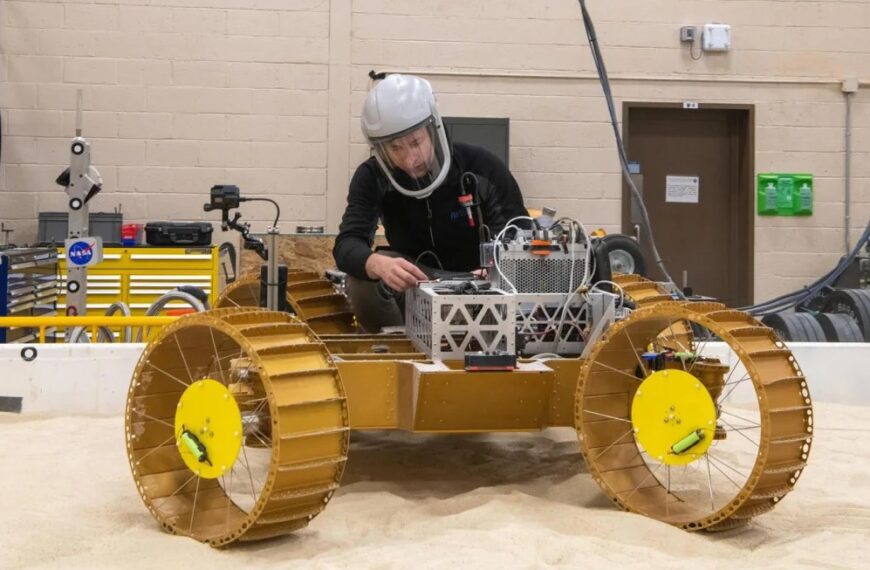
(723, 463)
(153, 419)
(606, 416)
(614, 442)
(746, 437)
(733, 482)
(165, 373)
(175, 492)
(699, 353)
(250, 474)
(183, 358)
(217, 359)
(676, 340)
(227, 493)
(636, 355)
(258, 401)
(734, 386)
(733, 415)
(170, 438)
(710, 482)
(193, 510)
(644, 480)
(623, 372)
(267, 442)
(668, 493)
(745, 428)
(231, 354)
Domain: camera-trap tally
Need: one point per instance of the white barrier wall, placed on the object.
(73, 379)
(89, 379)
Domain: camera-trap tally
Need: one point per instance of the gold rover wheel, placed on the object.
(236, 426)
(312, 298)
(698, 443)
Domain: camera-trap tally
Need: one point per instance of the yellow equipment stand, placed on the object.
(138, 276)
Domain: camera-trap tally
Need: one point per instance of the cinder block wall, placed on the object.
(178, 95)
(181, 94)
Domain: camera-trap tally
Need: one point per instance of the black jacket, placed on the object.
(438, 223)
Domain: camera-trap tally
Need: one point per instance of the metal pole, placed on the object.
(272, 269)
(79, 185)
(848, 173)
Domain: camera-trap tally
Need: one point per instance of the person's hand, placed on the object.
(396, 272)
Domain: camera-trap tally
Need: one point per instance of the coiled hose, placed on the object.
(164, 300)
(104, 333)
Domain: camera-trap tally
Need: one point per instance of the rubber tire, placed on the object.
(855, 303)
(796, 327)
(840, 327)
(621, 242)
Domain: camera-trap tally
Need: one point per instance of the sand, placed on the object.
(508, 501)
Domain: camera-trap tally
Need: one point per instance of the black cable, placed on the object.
(623, 159)
(274, 203)
(779, 303)
(823, 281)
(794, 298)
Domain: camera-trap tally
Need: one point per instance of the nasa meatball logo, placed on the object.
(80, 253)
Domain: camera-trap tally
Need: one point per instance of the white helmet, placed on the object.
(401, 121)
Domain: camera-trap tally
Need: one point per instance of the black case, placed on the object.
(178, 233)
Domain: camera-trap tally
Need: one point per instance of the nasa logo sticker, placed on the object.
(83, 252)
(80, 253)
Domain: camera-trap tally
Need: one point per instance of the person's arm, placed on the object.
(353, 245)
(396, 272)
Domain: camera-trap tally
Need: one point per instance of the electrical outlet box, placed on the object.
(716, 37)
(687, 34)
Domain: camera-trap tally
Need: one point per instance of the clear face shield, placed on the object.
(415, 160)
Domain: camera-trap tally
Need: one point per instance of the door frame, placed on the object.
(742, 190)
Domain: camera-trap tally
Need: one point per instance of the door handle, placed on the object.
(637, 232)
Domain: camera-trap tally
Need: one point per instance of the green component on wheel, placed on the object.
(196, 448)
(688, 442)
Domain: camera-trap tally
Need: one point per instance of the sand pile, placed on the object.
(508, 501)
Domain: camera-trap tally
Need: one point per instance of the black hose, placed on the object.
(789, 300)
(623, 159)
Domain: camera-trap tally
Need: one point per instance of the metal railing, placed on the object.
(93, 324)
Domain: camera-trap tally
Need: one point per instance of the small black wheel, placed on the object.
(625, 254)
(852, 302)
(840, 327)
(796, 327)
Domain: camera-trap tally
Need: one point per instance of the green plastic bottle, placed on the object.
(803, 196)
(766, 195)
(770, 197)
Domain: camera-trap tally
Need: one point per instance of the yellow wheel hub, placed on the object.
(208, 428)
(674, 417)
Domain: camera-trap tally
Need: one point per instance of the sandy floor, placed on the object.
(519, 501)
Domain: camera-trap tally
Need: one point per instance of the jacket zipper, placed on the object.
(429, 223)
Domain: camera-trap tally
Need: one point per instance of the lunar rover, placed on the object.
(239, 419)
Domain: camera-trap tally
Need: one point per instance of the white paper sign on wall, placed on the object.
(682, 189)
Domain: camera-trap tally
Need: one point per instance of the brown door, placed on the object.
(696, 177)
